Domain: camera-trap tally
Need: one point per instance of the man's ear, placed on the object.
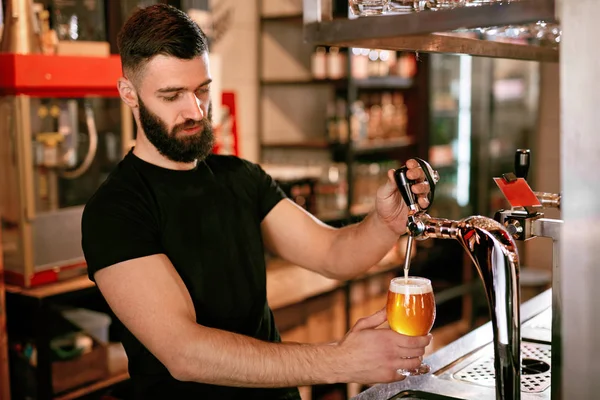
(127, 92)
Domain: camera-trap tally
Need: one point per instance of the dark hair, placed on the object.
(158, 29)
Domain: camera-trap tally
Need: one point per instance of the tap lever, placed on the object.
(522, 163)
(405, 184)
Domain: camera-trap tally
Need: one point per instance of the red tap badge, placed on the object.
(517, 192)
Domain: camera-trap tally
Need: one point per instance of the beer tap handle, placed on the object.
(405, 185)
(522, 163)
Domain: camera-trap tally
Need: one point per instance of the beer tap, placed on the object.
(494, 253)
(414, 225)
(525, 220)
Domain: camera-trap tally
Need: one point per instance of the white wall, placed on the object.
(238, 51)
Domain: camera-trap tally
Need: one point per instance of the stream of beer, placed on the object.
(407, 257)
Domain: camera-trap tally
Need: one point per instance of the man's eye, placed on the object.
(172, 98)
(204, 90)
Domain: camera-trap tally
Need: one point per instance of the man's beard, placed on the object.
(179, 149)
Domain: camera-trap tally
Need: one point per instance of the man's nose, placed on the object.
(193, 108)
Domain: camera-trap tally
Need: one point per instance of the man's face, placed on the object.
(175, 109)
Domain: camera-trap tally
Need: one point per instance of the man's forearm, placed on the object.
(359, 246)
(224, 358)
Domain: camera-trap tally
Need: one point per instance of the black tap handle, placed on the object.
(405, 184)
(522, 162)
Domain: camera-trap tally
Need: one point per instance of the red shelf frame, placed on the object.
(59, 76)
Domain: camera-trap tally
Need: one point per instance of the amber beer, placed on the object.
(411, 306)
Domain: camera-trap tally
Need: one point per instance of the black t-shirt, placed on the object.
(207, 222)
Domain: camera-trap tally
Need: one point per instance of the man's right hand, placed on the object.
(373, 355)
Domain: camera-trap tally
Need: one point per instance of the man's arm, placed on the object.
(151, 300)
(295, 235)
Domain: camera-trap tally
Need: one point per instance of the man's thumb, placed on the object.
(390, 186)
(370, 322)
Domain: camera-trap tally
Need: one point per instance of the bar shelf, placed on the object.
(436, 31)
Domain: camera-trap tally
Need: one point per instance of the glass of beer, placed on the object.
(411, 311)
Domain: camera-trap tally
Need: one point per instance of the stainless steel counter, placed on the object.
(462, 370)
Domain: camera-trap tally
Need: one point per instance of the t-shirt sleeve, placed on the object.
(116, 230)
(269, 192)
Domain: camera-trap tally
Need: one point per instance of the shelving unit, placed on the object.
(350, 89)
(23, 79)
(38, 303)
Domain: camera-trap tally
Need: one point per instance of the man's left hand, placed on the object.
(389, 203)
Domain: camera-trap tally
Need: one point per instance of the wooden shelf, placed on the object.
(307, 144)
(91, 388)
(384, 82)
(289, 18)
(431, 31)
(59, 76)
(374, 82)
(373, 146)
(53, 289)
(304, 82)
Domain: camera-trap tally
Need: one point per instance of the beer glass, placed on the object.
(411, 311)
(368, 7)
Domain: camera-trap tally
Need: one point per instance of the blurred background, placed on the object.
(326, 122)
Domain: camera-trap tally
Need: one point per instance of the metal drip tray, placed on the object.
(538, 328)
(541, 321)
(535, 371)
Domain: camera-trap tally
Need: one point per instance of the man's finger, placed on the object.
(423, 202)
(415, 174)
(421, 188)
(412, 163)
(412, 342)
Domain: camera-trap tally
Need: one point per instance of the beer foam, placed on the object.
(411, 286)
